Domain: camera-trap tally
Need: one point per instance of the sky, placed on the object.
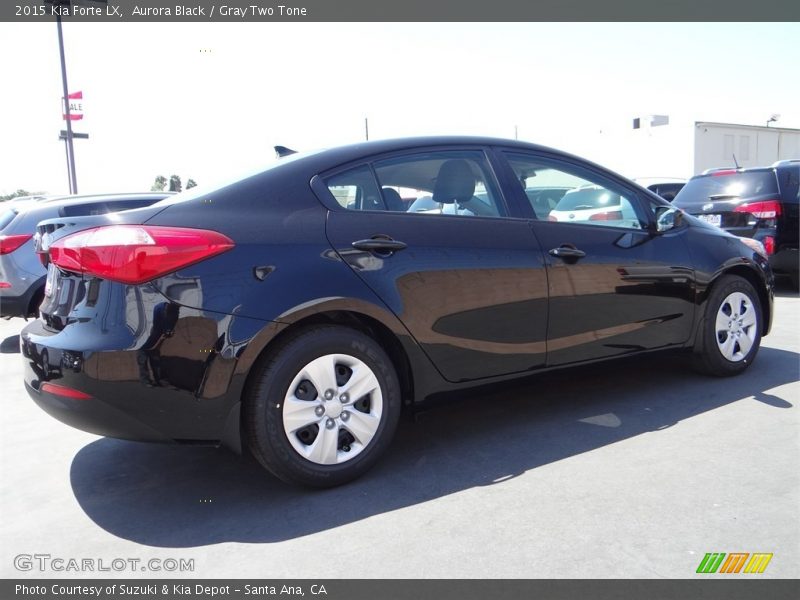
(209, 100)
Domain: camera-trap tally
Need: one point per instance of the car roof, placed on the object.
(355, 151)
(776, 166)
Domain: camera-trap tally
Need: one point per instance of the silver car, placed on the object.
(22, 275)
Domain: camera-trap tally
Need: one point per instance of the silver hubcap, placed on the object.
(736, 327)
(332, 409)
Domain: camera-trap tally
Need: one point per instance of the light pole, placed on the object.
(57, 7)
(73, 180)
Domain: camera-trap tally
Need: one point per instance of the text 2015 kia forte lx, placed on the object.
(295, 311)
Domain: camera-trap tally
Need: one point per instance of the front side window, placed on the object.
(560, 194)
(430, 183)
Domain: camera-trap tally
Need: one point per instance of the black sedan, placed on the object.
(295, 312)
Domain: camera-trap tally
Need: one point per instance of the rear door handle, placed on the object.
(568, 252)
(379, 244)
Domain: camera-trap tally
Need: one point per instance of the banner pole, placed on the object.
(73, 181)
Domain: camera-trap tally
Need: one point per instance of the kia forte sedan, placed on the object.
(295, 312)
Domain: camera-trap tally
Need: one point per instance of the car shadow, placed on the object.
(178, 497)
(10, 345)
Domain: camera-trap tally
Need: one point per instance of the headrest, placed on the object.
(455, 182)
(392, 199)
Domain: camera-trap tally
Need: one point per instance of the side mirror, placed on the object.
(667, 218)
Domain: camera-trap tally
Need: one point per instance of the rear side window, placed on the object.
(789, 180)
(733, 185)
(430, 183)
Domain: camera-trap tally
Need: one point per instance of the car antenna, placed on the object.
(281, 151)
(736, 162)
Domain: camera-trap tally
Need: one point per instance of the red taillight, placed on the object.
(134, 254)
(66, 392)
(4, 285)
(766, 209)
(769, 245)
(613, 215)
(9, 243)
(725, 172)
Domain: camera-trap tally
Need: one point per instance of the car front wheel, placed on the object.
(731, 332)
(323, 408)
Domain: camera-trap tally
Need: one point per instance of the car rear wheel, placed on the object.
(731, 332)
(323, 408)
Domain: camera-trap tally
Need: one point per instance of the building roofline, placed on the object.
(740, 125)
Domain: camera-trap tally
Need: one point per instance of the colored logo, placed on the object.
(719, 562)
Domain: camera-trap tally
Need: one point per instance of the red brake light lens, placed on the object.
(724, 172)
(9, 243)
(769, 245)
(613, 215)
(135, 254)
(64, 391)
(766, 209)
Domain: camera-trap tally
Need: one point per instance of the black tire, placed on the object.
(266, 436)
(36, 301)
(711, 358)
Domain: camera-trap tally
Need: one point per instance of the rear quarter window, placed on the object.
(789, 180)
(6, 217)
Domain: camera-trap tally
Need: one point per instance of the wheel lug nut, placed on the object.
(344, 397)
(330, 423)
(319, 411)
(328, 394)
(345, 416)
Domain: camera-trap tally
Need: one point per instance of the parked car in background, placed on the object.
(760, 203)
(22, 275)
(594, 203)
(666, 187)
(296, 311)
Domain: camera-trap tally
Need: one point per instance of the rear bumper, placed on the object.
(94, 416)
(124, 402)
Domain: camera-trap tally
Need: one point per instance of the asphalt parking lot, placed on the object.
(629, 469)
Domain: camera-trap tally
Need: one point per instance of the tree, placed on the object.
(159, 184)
(16, 194)
(175, 183)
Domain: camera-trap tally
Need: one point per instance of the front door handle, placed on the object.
(379, 244)
(567, 252)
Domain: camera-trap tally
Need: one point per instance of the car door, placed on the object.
(431, 234)
(615, 284)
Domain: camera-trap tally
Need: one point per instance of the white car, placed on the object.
(594, 203)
